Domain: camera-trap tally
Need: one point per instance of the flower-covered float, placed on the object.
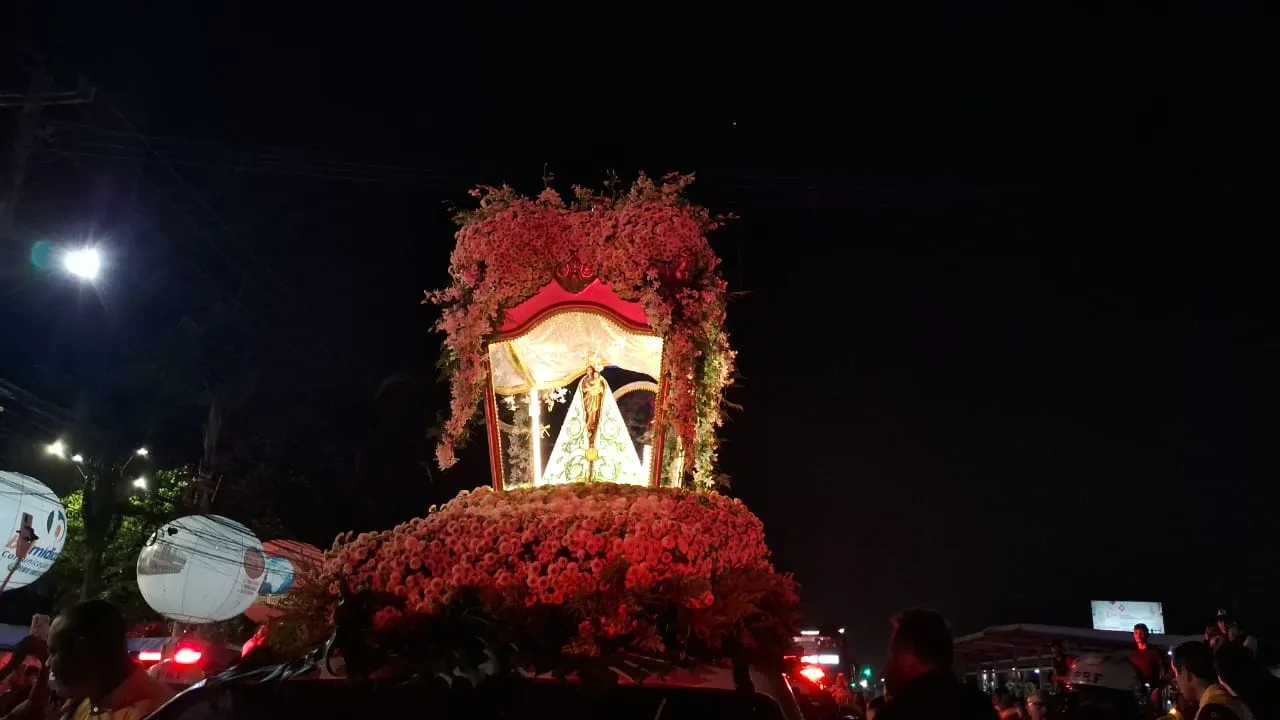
(589, 335)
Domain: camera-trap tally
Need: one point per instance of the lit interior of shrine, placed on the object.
(574, 397)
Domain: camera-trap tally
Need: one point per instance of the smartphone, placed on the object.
(40, 626)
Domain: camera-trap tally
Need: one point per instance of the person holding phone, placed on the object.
(32, 702)
(21, 682)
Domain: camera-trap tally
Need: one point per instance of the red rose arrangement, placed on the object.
(649, 244)
(629, 569)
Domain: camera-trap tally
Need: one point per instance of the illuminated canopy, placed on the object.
(550, 300)
(553, 352)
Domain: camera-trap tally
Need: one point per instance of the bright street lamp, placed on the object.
(83, 263)
(77, 458)
(57, 448)
(142, 452)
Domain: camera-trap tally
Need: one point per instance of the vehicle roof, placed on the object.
(709, 677)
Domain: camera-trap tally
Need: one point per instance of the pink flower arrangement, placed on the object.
(600, 556)
(649, 244)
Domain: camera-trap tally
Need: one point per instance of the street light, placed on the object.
(58, 449)
(83, 263)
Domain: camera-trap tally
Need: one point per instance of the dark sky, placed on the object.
(1003, 333)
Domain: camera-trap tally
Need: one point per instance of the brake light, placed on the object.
(149, 656)
(187, 656)
(813, 674)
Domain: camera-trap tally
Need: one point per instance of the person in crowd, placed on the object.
(919, 678)
(20, 683)
(1197, 682)
(859, 705)
(1007, 706)
(841, 693)
(875, 706)
(1213, 637)
(1063, 664)
(32, 699)
(1240, 674)
(1229, 629)
(1038, 705)
(89, 655)
(1149, 662)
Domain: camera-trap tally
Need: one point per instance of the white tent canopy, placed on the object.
(1006, 646)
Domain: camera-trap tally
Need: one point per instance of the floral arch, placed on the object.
(543, 292)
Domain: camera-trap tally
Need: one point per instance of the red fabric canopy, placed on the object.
(597, 296)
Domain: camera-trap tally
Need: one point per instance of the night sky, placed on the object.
(1001, 323)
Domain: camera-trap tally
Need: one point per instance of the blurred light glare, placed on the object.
(140, 483)
(57, 448)
(83, 263)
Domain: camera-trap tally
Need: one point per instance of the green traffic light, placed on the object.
(866, 672)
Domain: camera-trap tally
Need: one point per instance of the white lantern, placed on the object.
(24, 499)
(290, 565)
(201, 568)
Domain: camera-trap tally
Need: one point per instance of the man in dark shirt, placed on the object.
(918, 677)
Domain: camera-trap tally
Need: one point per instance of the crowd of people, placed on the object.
(85, 671)
(87, 652)
(1219, 678)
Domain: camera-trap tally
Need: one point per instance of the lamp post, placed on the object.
(58, 449)
(99, 503)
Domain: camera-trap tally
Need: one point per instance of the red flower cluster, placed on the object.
(598, 551)
(650, 246)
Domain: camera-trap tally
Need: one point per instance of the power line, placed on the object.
(264, 170)
(39, 95)
(272, 329)
(266, 154)
(226, 227)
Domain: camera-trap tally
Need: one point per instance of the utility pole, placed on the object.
(38, 96)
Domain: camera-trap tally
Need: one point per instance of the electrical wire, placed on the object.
(271, 329)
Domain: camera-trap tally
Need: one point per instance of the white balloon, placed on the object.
(201, 568)
(24, 495)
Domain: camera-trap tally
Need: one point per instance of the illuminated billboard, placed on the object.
(1123, 615)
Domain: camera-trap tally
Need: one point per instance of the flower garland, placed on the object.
(665, 572)
(649, 244)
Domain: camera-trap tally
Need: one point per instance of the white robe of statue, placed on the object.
(617, 460)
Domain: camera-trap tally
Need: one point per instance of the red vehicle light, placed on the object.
(813, 674)
(187, 656)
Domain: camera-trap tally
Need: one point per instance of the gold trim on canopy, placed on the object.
(638, 385)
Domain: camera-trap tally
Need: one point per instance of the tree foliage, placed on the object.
(134, 517)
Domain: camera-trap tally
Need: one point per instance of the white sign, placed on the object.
(1123, 615)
